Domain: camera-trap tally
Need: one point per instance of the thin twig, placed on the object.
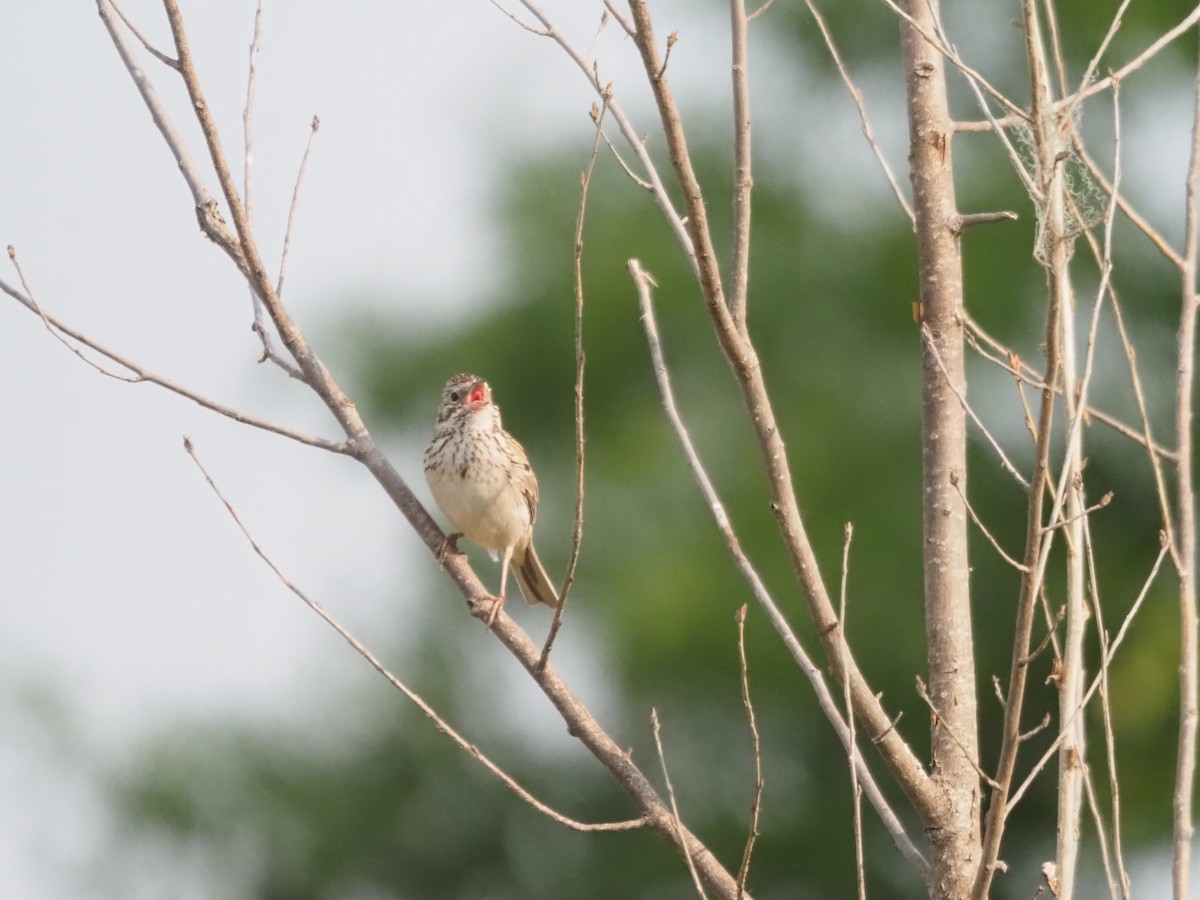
(1101, 831)
(149, 48)
(621, 20)
(855, 789)
(631, 135)
(1138, 61)
(30, 301)
(633, 176)
(1153, 452)
(1084, 513)
(927, 337)
(743, 180)
(585, 180)
(643, 282)
(260, 318)
(538, 31)
(1139, 221)
(1016, 564)
(1110, 741)
(756, 806)
(141, 373)
(662, 759)
(1054, 250)
(952, 57)
(662, 70)
(860, 105)
(963, 221)
(1106, 660)
(1094, 63)
(1037, 545)
(441, 724)
(937, 714)
(208, 211)
(248, 128)
(1024, 373)
(291, 219)
(758, 12)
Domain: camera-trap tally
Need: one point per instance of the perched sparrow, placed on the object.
(482, 480)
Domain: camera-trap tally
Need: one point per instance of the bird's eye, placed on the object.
(454, 396)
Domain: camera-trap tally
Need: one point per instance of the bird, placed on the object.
(481, 479)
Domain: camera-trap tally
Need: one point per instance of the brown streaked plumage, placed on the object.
(481, 479)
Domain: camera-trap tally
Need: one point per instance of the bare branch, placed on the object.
(292, 207)
(207, 210)
(950, 655)
(927, 30)
(756, 806)
(659, 192)
(260, 325)
(1189, 616)
(758, 12)
(1094, 63)
(1110, 742)
(441, 724)
(743, 358)
(931, 346)
(633, 176)
(674, 807)
(538, 31)
(248, 126)
(1024, 373)
(855, 789)
(585, 181)
(1096, 681)
(643, 283)
(141, 373)
(857, 97)
(621, 20)
(937, 715)
(743, 180)
(150, 48)
(1138, 61)
(1016, 564)
(1140, 222)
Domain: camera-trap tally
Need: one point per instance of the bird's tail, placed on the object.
(535, 583)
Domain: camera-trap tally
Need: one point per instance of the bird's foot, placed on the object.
(497, 605)
(449, 547)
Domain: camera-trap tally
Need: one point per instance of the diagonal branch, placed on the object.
(631, 135)
(207, 210)
(441, 724)
(743, 358)
(141, 373)
(815, 676)
(857, 97)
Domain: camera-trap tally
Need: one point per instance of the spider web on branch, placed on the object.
(1085, 200)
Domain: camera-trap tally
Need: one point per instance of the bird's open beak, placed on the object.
(479, 396)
